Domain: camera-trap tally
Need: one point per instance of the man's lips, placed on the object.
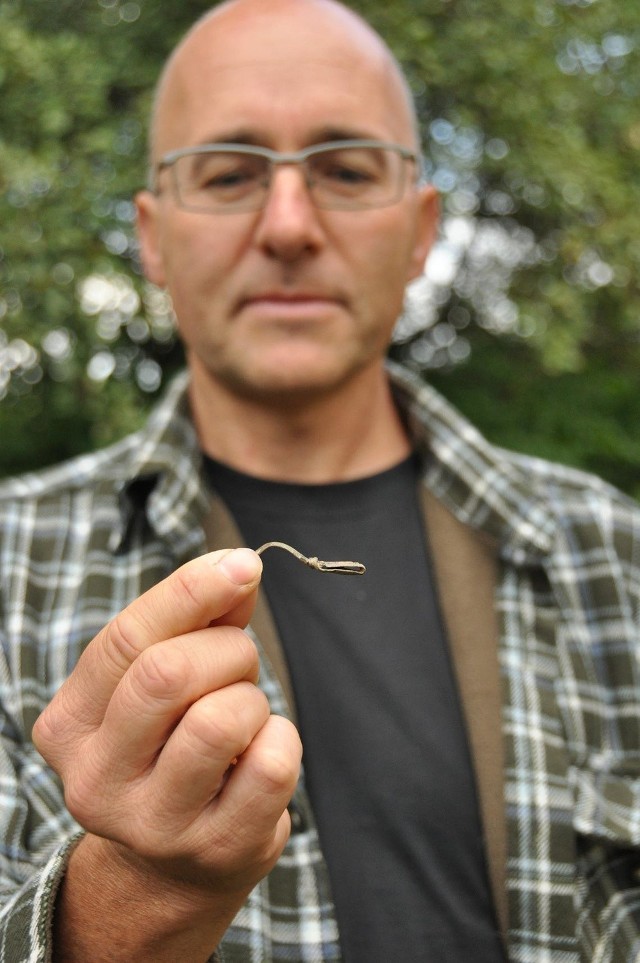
(301, 304)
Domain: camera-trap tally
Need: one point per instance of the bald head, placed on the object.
(238, 32)
(293, 300)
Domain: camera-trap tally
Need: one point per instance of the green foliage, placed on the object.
(530, 315)
(590, 422)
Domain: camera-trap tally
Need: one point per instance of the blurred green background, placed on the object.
(528, 316)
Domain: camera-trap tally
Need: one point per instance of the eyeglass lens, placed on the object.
(348, 177)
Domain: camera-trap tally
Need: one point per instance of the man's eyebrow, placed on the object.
(240, 136)
(320, 135)
(342, 133)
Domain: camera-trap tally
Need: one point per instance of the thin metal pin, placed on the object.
(345, 568)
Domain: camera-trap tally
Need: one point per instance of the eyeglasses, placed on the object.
(346, 175)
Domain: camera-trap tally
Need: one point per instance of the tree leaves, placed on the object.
(529, 314)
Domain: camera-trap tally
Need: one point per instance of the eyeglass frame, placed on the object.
(281, 158)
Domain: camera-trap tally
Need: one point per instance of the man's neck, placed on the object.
(351, 432)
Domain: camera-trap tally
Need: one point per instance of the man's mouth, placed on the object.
(302, 305)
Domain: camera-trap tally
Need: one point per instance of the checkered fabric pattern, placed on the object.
(82, 540)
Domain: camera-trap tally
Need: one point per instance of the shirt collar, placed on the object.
(482, 485)
(163, 477)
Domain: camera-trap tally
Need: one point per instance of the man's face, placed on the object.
(291, 300)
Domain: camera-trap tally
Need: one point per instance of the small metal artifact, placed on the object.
(345, 568)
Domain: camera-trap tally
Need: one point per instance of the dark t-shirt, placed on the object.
(386, 760)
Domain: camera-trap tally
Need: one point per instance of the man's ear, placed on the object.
(148, 229)
(427, 222)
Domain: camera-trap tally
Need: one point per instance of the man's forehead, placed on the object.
(278, 43)
(287, 108)
(226, 62)
(248, 18)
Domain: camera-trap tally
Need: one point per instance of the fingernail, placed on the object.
(240, 565)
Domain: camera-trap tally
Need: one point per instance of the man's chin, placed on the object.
(285, 388)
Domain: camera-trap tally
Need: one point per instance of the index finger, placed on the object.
(219, 586)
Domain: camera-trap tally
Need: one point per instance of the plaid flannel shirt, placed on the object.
(82, 540)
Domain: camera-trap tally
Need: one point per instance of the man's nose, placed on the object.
(289, 225)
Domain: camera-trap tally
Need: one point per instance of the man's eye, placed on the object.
(346, 173)
(233, 177)
(348, 169)
(351, 175)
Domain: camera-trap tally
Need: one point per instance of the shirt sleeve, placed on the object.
(37, 833)
(26, 916)
(609, 921)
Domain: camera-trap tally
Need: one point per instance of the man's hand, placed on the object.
(170, 758)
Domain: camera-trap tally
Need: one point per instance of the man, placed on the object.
(439, 818)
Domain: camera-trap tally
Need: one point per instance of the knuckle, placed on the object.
(124, 633)
(161, 672)
(56, 729)
(83, 798)
(187, 581)
(226, 722)
(236, 649)
(247, 654)
(208, 728)
(276, 769)
(44, 732)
